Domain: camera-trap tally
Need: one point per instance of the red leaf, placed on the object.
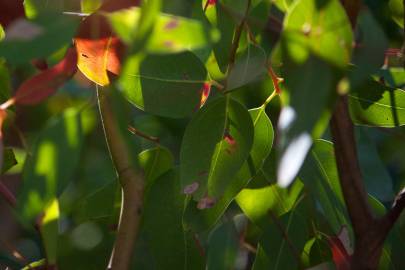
(44, 84)
(340, 256)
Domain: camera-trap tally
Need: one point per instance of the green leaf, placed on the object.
(318, 27)
(368, 55)
(89, 6)
(249, 67)
(48, 33)
(5, 83)
(215, 145)
(223, 245)
(320, 177)
(170, 33)
(164, 84)
(258, 198)
(2, 34)
(308, 96)
(49, 168)
(203, 219)
(162, 227)
(33, 8)
(374, 104)
(284, 239)
(225, 24)
(9, 160)
(155, 162)
(99, 204)
(49, 230)
(376, 178)
(397, 11)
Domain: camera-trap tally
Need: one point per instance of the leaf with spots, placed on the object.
(215, 145)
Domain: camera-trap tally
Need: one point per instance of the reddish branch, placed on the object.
(370, 231)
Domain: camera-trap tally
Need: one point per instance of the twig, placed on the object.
(235, 44)
(7, 195)
(132, 184)
(143, 135)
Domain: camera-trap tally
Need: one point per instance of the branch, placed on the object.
(351, 180)
(132, 184)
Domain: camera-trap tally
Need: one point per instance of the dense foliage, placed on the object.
(220, 111)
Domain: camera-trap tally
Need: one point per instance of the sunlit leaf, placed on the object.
(169, 34)
(374, 104)
(318, 27)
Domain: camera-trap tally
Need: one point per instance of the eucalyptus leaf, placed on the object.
(215, 145)
(374, 104)
(204, 219)
(50, 168)
(164, 84)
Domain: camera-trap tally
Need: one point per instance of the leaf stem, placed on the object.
(132, 184)
(143, 135)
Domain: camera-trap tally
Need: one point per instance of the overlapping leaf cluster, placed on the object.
(211, 87)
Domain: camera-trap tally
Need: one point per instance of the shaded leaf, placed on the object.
(49, 169)
(44, 84)
(172, 90)
(201, 220)
(215, 145)
(249, 67)
(320, 177)
(299, 123)
(164, 231)
(55, 32)
(223, 245)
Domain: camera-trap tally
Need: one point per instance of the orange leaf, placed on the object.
(44, 84)
(97, 56)
(99, 50)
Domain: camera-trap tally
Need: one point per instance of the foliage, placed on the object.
(224, 106)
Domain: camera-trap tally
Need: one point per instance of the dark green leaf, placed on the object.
(162, 227)
(9, 160)
(216, 143)
(203, 219)
(250, 66)
(164, 84)
(223, 246)
(43, 36)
